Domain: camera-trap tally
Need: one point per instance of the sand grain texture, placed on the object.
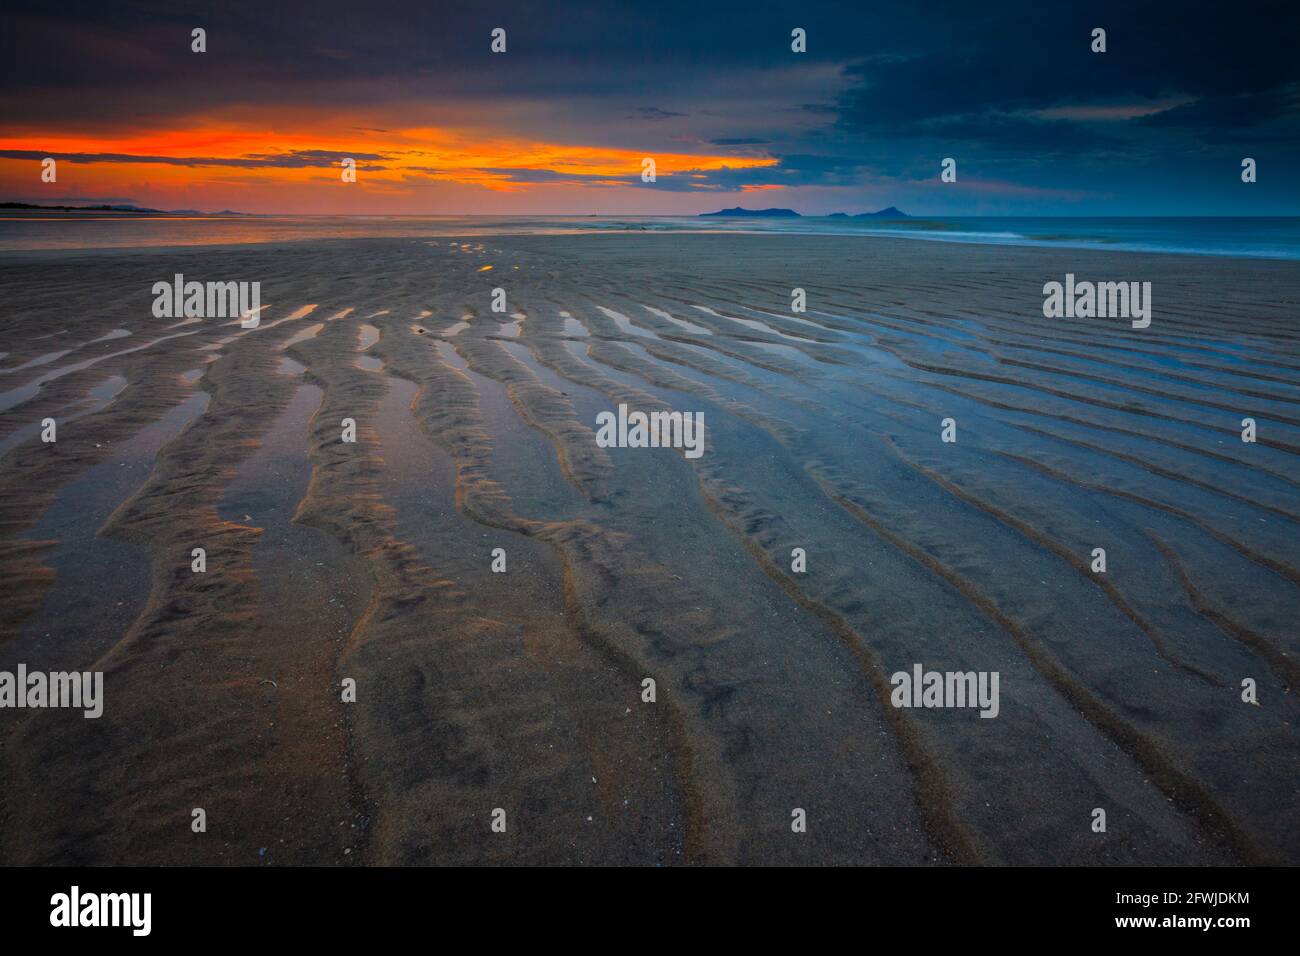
(371, 561)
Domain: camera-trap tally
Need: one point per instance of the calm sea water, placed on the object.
(1271, 238)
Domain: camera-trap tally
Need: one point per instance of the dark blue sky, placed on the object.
(1037, 123)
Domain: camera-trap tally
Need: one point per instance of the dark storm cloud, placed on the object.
(1233, 111)
(524, 175)
(980, 75)
(909, 67)
(270, 50)
(1012, 133)
(687, 180)
(652, 113)
(806, 169)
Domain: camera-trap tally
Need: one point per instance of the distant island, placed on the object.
(738, 211)
(893, 212)
(138, 210)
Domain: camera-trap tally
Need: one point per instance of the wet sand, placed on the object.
(522, 690)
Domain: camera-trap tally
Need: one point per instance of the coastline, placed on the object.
(1263, 237)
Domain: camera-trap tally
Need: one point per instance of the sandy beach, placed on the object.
(477, 689)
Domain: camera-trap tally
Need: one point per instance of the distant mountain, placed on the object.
(104, 207)
(751, 213)
(99, 208)
(893, 212)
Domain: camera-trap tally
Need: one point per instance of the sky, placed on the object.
(562, 121)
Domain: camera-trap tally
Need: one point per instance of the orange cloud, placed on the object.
(186, 164)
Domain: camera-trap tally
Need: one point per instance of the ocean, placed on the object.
(1243, 237)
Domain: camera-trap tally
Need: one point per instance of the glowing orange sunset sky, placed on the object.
(560, 121)
(427, 170)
